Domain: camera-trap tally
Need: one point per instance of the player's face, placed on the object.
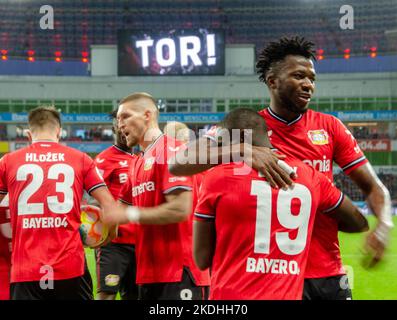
(295, 83)
(132, 123)
(121, 140)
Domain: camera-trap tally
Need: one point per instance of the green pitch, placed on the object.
(379, 283)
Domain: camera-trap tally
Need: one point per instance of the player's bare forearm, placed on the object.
(378, 199)
(203, 243)
(176, 209)
(2, 195)
(106, 202)
(377, 195)
(349, 217)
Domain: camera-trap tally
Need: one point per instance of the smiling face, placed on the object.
(133, 121)
(292, 85)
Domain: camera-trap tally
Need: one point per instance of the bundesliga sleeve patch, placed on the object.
(318, 137)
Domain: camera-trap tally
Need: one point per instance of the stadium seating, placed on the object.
(348, 187)
(78, 24)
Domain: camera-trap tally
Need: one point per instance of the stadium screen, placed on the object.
(176, 52)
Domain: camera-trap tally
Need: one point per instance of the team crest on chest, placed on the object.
(318, 137)
(148, 163)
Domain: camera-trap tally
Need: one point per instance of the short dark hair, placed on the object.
(44, 117)
(243, 118)
(277, 51)
(246, 119)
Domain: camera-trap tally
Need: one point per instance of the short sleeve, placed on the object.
(92, 177)
(347, 153)
(208, 196)
(330, 196)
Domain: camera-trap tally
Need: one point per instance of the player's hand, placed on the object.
(375, 245)
(270, 164)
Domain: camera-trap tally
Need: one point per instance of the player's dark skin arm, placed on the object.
(349, 217)
(260, 158)
(378, 199)
(203, 243)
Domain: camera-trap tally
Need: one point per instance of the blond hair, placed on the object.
(141, 95)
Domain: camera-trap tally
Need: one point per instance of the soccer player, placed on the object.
(116, 263)
(162, 204)
(317, 139)
(5, 250)
(45, 183)
(256, 238)
(286, 66)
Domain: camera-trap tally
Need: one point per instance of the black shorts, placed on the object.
(116, 270)
(330, 288)
(183, 290)
(79, 288)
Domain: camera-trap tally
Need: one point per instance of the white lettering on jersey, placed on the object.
(47, 157)
(274, 266)
(44, 223)
(100, 160)
(323, 165)
(123, 177)
(145, 186)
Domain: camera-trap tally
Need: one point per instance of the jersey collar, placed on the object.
(44, 140)
(121, 150)
(277, 117)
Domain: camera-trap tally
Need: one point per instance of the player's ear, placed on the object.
(148, 115)
(271, 80)
(29, 134)
(58, 132)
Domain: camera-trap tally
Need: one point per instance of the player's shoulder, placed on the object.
(70, 151)
(71, 155)
(171, 145)
(263, 113)
(14, 156)
(321, 117)
(169, 140)
(112, 154)
(104, 153)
